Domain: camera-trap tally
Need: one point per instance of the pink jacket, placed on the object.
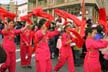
(66, 48)
(26, 37)
(93, 46)
(8, 40)
(42, 50)
(91, 62)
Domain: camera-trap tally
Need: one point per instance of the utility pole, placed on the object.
(16, 10)
(83, 9)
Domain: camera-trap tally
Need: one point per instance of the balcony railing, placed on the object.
(54, 3)
(42, 3)
(31, 6)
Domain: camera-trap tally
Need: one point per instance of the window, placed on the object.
(19, 12)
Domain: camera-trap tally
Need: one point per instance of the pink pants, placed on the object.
(91, 64)
(10, 63)
(43, 66)
(63, 59)
(23, 54)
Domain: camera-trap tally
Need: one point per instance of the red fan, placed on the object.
(39, 12)
(79, 39)
(27, 18)
(102, 19)
(66, 15)
(4, 13)
(82, 28)
(61, 14)
(10, 15)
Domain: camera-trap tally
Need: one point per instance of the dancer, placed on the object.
(43, 61)
(66, 52)
(91, 61)
(9, 46)
(26, 47)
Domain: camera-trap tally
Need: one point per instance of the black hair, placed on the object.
(66, 27)
(0, 21)
(89, 22)
(99, 29)
(3, 55)
(41, 23)
(9, 20)
(89, 30)
(33, 27)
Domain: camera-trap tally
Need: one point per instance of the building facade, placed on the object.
(72, 6)
(10, 7)
(106, 6)
(22, 10)
(13, 6)
(5, 6)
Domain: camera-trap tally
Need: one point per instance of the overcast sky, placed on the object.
(7, 1)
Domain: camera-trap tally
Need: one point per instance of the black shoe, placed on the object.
(104, 70)
(29, 66)
(77, 65)
(23, 66)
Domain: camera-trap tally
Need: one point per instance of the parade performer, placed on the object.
(26, 42)
(8, 40)
(9, 46)
(3, 56)
(103, 23)
(43, 61)
(91, 61)
(66, 52)
(25, 46)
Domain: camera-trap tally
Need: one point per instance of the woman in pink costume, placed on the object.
(26, 47)
(91, 61)
(9, 46)
(43, 61)
(66, 52)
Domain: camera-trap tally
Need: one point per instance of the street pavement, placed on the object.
(33, 69)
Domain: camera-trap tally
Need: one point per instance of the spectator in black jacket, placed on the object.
(3, 55)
